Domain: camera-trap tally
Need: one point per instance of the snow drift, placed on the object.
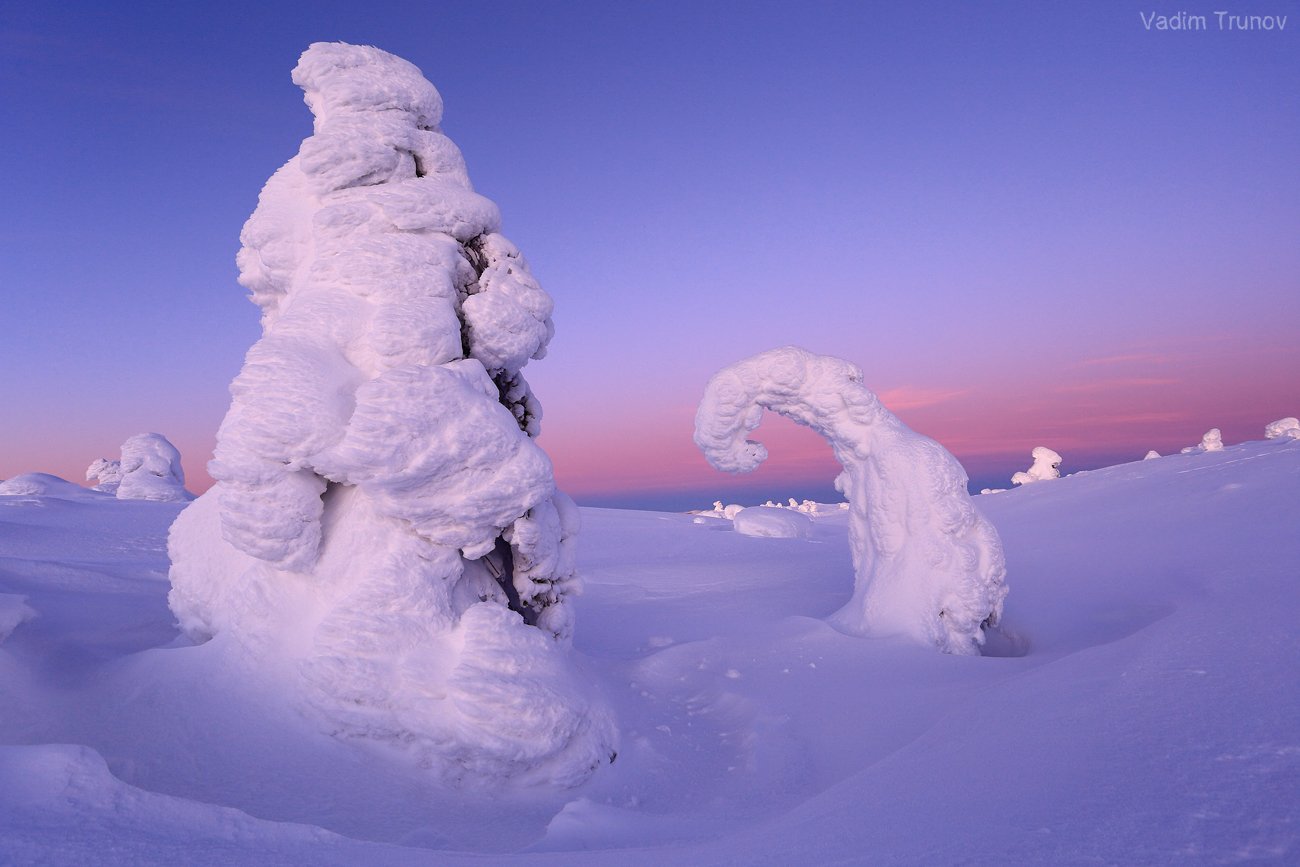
(927, 563)
(772, 522)
(383, 525)
(44, 485)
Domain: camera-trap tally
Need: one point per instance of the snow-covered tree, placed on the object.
(927, 563)
(383, 519)
(106, 474)
(1047, 465)
(1211, 442)
(1283, 428)
(150, 469)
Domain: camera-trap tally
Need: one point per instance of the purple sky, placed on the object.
(1029, 223)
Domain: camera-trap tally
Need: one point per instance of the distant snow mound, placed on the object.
(1211, 442)
(772, 523)
(1047, 465)
(42, 485)
(384, 526)
(106, 474)
(1151, 455)
(1283, 428)
(927, 563)
(151, 470)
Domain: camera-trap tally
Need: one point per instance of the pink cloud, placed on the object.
(1111, 385)
(908, 397)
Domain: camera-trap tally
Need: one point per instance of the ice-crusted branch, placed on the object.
(927, 563)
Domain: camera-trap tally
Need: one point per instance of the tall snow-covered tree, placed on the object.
(383, 517)
(927, 564)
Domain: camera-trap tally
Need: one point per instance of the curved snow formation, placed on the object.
(1283, 428)
(383, 523)
(150, 469)
(1047, 465)
(927, 563)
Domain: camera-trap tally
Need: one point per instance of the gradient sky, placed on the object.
(1029, 223)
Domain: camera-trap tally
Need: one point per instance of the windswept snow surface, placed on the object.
(1143, 710)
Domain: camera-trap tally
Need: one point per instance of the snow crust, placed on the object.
(773, 523)
(1047, 465)
(384, 530)
(927, 563)
(1283, 428)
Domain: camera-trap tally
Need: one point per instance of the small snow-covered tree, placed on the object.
(1047, 465)
(927, 563)
(105, 474)
(383, 522)
(1211, 442)
(151, 470)
(1283, 428)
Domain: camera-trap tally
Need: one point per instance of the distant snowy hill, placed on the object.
(1143, 707)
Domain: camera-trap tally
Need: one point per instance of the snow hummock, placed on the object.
(772, 522)
(1047, 465)
(1211, 442)
(150, 469)
(1282, 428)
(44, 485)
(1151, 455)
(385, 539)
(927, 563)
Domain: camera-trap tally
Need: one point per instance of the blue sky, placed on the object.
(1029, 223)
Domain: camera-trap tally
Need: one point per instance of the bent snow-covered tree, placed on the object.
(927, 563)
(1046, 466)
(382, 517)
